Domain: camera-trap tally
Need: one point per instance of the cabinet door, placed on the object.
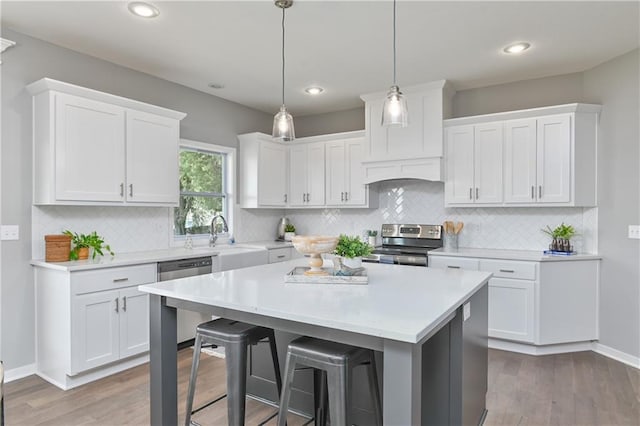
(298, 173)
(272, 174)
(315, 174)
(134, 322)
(488, 163)
(354, 180)
(335, 173)
(95, 334)
(152, 158)
(520, 161)
(511, 309)
(554, 159)
(459, 183)
(89, 157)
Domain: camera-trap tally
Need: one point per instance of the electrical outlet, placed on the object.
(634, 232)
(9, 232)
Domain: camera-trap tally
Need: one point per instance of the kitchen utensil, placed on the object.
(458, 227)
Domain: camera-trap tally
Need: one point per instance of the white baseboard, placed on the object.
(524, 348)
(623, 357)
(19, 373)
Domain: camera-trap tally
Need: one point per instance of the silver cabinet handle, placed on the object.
(540, 191)
(122, 189)
(124, 303)
(117, 304)
(476, 193)
(346, 196)
(120, 280)
(130, 190)
(453, 267)
(533, 192)
(342, 196)
(471, 193)
(510, 271)
(285, 198)
(282, 256)
(308, 197)
(304, 197)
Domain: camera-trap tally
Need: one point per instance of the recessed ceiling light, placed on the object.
(314, 90)
(517, 47)
(144, 10)
(216, 85)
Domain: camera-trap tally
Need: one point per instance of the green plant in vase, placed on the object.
(352, 248)
(289, 231)
(83, 242)
(561, 237)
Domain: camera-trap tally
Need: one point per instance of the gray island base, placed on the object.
(429, 327)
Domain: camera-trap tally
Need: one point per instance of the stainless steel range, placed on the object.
(406, 244)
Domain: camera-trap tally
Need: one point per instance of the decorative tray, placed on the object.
(559, 253)
(297, 275)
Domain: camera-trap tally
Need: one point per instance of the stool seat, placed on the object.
(336, 362)
(234, 336)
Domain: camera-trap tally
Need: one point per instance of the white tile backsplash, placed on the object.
(414, 201)
(129, 229)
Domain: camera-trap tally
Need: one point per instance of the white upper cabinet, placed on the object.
(414, 151)
(474, 164)
(548, 156)
(344, 173)
(263, 171)
(93, 148)
(306, 169)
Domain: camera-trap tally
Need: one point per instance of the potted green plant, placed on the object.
(83, 242)
(289, 232)
(351, 250)
(372, 234)
(561, 237)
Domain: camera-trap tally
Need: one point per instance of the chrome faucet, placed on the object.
(214, 234)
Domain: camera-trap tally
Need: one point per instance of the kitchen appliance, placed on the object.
(406, 244)
(174, 269)
(281, 227)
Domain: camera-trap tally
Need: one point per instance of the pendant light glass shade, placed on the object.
(283, 126)
(394, 110)
(283, 121)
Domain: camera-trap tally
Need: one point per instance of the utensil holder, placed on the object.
(450, 241)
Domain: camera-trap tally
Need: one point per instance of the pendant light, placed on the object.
(394, 111)
(283, 121)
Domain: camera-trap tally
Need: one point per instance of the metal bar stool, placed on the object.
(337, 361)
(234, 336)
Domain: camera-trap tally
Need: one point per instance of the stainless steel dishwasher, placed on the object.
(182, 268)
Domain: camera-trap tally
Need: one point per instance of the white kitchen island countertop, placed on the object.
(529, 255)
(402, 303)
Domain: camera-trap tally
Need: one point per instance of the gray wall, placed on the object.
(331, 122)
(615, 86)
(209, 119)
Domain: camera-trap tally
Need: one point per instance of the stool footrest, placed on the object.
(208, 404)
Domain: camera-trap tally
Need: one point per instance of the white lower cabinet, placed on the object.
(537, 303)
(90, 323)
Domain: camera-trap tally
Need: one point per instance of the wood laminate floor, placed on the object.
(581, 388)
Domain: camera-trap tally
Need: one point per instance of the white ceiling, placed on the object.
(344, 46)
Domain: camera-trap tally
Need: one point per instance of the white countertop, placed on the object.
(530, 255)
(402, 303)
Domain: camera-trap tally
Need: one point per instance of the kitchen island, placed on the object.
(400, 310)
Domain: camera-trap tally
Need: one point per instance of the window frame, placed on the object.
(228, 183)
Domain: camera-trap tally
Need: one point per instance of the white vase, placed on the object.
(354, 262)
(289, 235)
(372, 241)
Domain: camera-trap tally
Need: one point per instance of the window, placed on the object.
(204, 188)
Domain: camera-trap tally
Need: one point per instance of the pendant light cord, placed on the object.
(394, 42)
(283, 56)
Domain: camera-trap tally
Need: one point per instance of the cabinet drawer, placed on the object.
(453, 263)
(112, 278)
(279, 255)
(509, 269)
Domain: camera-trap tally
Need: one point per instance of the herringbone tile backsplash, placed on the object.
(129, 229)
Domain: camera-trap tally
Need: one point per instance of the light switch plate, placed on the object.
(9, 232)
(634, 232)
(466, 311)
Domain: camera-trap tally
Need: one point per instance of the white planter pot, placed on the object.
(355, 262)
(289, 235)
(372, 241)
